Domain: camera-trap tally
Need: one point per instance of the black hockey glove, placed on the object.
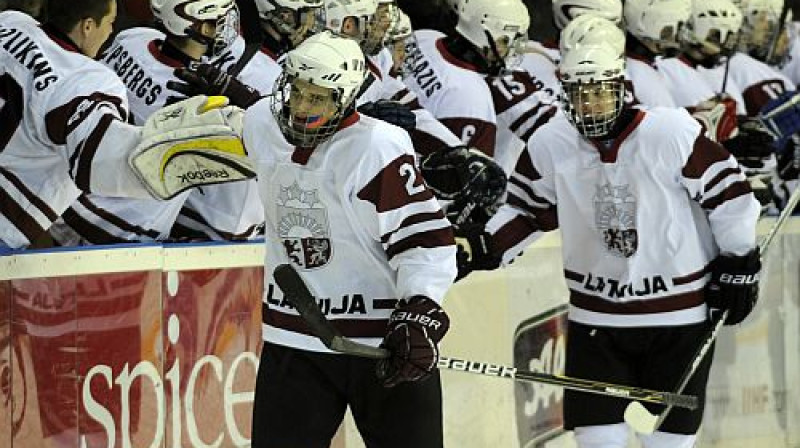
(205, 79)
(475, 251)
(789, 160)
(415, 328)
(752, 146)
(471, 179)
(392, 112)
(734, 285)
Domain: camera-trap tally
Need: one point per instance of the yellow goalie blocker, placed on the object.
(191, 143)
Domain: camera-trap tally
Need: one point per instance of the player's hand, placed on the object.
(392, 112)
(414, 331)
(475, 251)
(205, 79)
(471, 179)
(718, 117)
(752, 146)
(734, 285)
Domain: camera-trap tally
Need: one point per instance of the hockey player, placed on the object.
(371, 242)
(64, 125)
(641, 277)
(145, 59)
(448, 72)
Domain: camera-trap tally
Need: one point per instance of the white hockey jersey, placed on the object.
(355, 218)
(453, 91)
(687, 87)
(99, 219)
(523, 101)
(640, 219)
(62, 129)
(429, 134)
(758, 82)
(645, 85)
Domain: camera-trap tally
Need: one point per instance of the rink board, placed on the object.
(156, 346)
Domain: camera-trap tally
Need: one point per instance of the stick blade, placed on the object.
(640, 419)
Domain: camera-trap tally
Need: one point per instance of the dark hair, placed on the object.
(65, 14)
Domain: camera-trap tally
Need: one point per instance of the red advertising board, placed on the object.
(133, 359)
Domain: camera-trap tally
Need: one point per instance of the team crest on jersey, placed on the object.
(303, 227)
(615, 217)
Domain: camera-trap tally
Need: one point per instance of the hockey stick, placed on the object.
(252, 34)
(636, 415)
(298, 294)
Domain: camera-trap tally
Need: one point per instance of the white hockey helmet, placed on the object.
(713, 26)
(589, 29)
(362, 11)
(400, 29)
(657, 23)
(294, 20)
(760, 27)
(179, 18)
(495, 27)
(593, 81)
(327, 60)
(564, 11)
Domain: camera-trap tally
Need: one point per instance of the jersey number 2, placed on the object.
(10, 108)
(408, 171)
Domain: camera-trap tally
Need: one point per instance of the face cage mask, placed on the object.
(761, 50)
(226, 31)
(310, 135)
(503, 66)
(593, 126)
(374, 34)
(290, 31)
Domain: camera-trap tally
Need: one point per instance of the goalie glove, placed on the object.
(734, 285)
(194, 142)
(413, 334)
(474, 183)
(205, 79)
(392, 112)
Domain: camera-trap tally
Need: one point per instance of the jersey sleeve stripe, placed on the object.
(412, 220)
(88, 231)
(705, 153)
(541, 121)
(61, 121)
(29, 195)
(196, 224)
(83, 172)
(512, 232)
(733, 191)
(19, 218)
(525, 168)
(433, 238)
(720, 177)
(120, 223)
(527, 192)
